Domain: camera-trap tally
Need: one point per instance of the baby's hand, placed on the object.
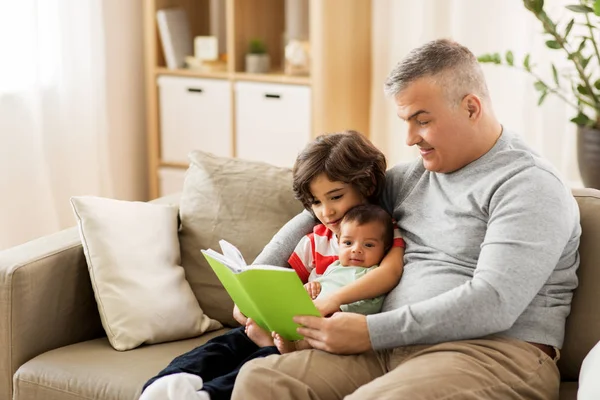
(313, 289)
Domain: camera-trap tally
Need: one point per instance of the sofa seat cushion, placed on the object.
(93, 370)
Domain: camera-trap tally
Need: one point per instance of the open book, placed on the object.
(269, 295)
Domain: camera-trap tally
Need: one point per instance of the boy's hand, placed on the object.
(238, 316)
(313, 289)
(327, 305)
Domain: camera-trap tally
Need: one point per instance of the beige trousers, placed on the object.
(488, 368)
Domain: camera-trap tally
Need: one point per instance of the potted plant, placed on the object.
(257, 59)
(579, 85)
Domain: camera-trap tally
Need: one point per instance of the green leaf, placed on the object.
(496, 58)
(569, 26)
(526, 63)
(535, 6)
(582, 120)
(553, 44)
(597, 84)
(542, 97)
(579, 8)
(585, 61)
(597, 7)
(485, 58)
(581, 45)
(510, 59)
(555, 74)
(540, 86)
(582, 90)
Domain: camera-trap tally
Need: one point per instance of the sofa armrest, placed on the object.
(589, 386)
(46, 301)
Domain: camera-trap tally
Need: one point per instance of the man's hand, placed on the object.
(238, 316)
(343, 333)
(327, 305)
(313, 289)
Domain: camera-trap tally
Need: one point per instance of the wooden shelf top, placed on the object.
(192, 73)
(272, 77)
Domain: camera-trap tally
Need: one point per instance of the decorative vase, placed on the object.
(588, 156)
(258, 63)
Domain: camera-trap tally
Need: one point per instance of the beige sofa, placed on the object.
(53, 345)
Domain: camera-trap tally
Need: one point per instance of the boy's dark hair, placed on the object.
(346, 157)
(366, 213)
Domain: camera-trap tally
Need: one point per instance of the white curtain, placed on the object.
(484, 27)
(71, 110)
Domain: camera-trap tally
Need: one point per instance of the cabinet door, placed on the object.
(195, 114)
(272, 121)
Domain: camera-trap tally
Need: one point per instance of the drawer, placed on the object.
(195, 114)
(273, 122)
(170, 180)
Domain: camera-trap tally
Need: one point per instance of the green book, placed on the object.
(269, 295)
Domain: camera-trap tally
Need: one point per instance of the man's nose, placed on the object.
(412, 137)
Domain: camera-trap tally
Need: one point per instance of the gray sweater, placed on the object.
(490, 249)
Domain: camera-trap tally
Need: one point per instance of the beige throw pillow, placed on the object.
(132, 252)
(243, 202)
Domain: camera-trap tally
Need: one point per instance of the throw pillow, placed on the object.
(133, 257)
(243, 202)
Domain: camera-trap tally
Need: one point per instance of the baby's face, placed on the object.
(361, 245)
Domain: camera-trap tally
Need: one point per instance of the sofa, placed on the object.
(54, 347)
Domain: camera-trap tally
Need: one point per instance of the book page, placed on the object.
(233, 254)
(224, 260)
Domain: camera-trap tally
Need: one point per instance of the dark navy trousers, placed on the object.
(217, 362)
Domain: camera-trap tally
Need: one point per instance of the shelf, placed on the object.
(174, 165)
(192, 73)
(272, 77)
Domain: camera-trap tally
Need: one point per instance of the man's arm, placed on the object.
(531, 220)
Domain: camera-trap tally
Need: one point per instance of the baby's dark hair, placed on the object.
(347, 157)
(366, 213)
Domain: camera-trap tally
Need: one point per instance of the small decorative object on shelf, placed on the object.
(206, 55)
(297, 58)
(206, 48)
(257, 59)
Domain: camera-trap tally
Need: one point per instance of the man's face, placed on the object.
(440, 130)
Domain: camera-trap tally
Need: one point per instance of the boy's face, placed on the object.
(361, 245)
(331, 201)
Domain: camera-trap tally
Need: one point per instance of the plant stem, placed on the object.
(587, 19)
(563, 44)
(552, 90)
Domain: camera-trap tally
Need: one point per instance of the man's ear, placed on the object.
(471, 105)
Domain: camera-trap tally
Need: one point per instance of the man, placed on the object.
(491, 253)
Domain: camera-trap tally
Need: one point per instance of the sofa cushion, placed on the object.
(583, 325)
(243, 202)
(94, 370)
(132, 252)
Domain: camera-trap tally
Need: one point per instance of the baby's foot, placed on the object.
(283, 345)
(258, 335)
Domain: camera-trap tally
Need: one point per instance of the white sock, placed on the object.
(202, 395)
(181, 386)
